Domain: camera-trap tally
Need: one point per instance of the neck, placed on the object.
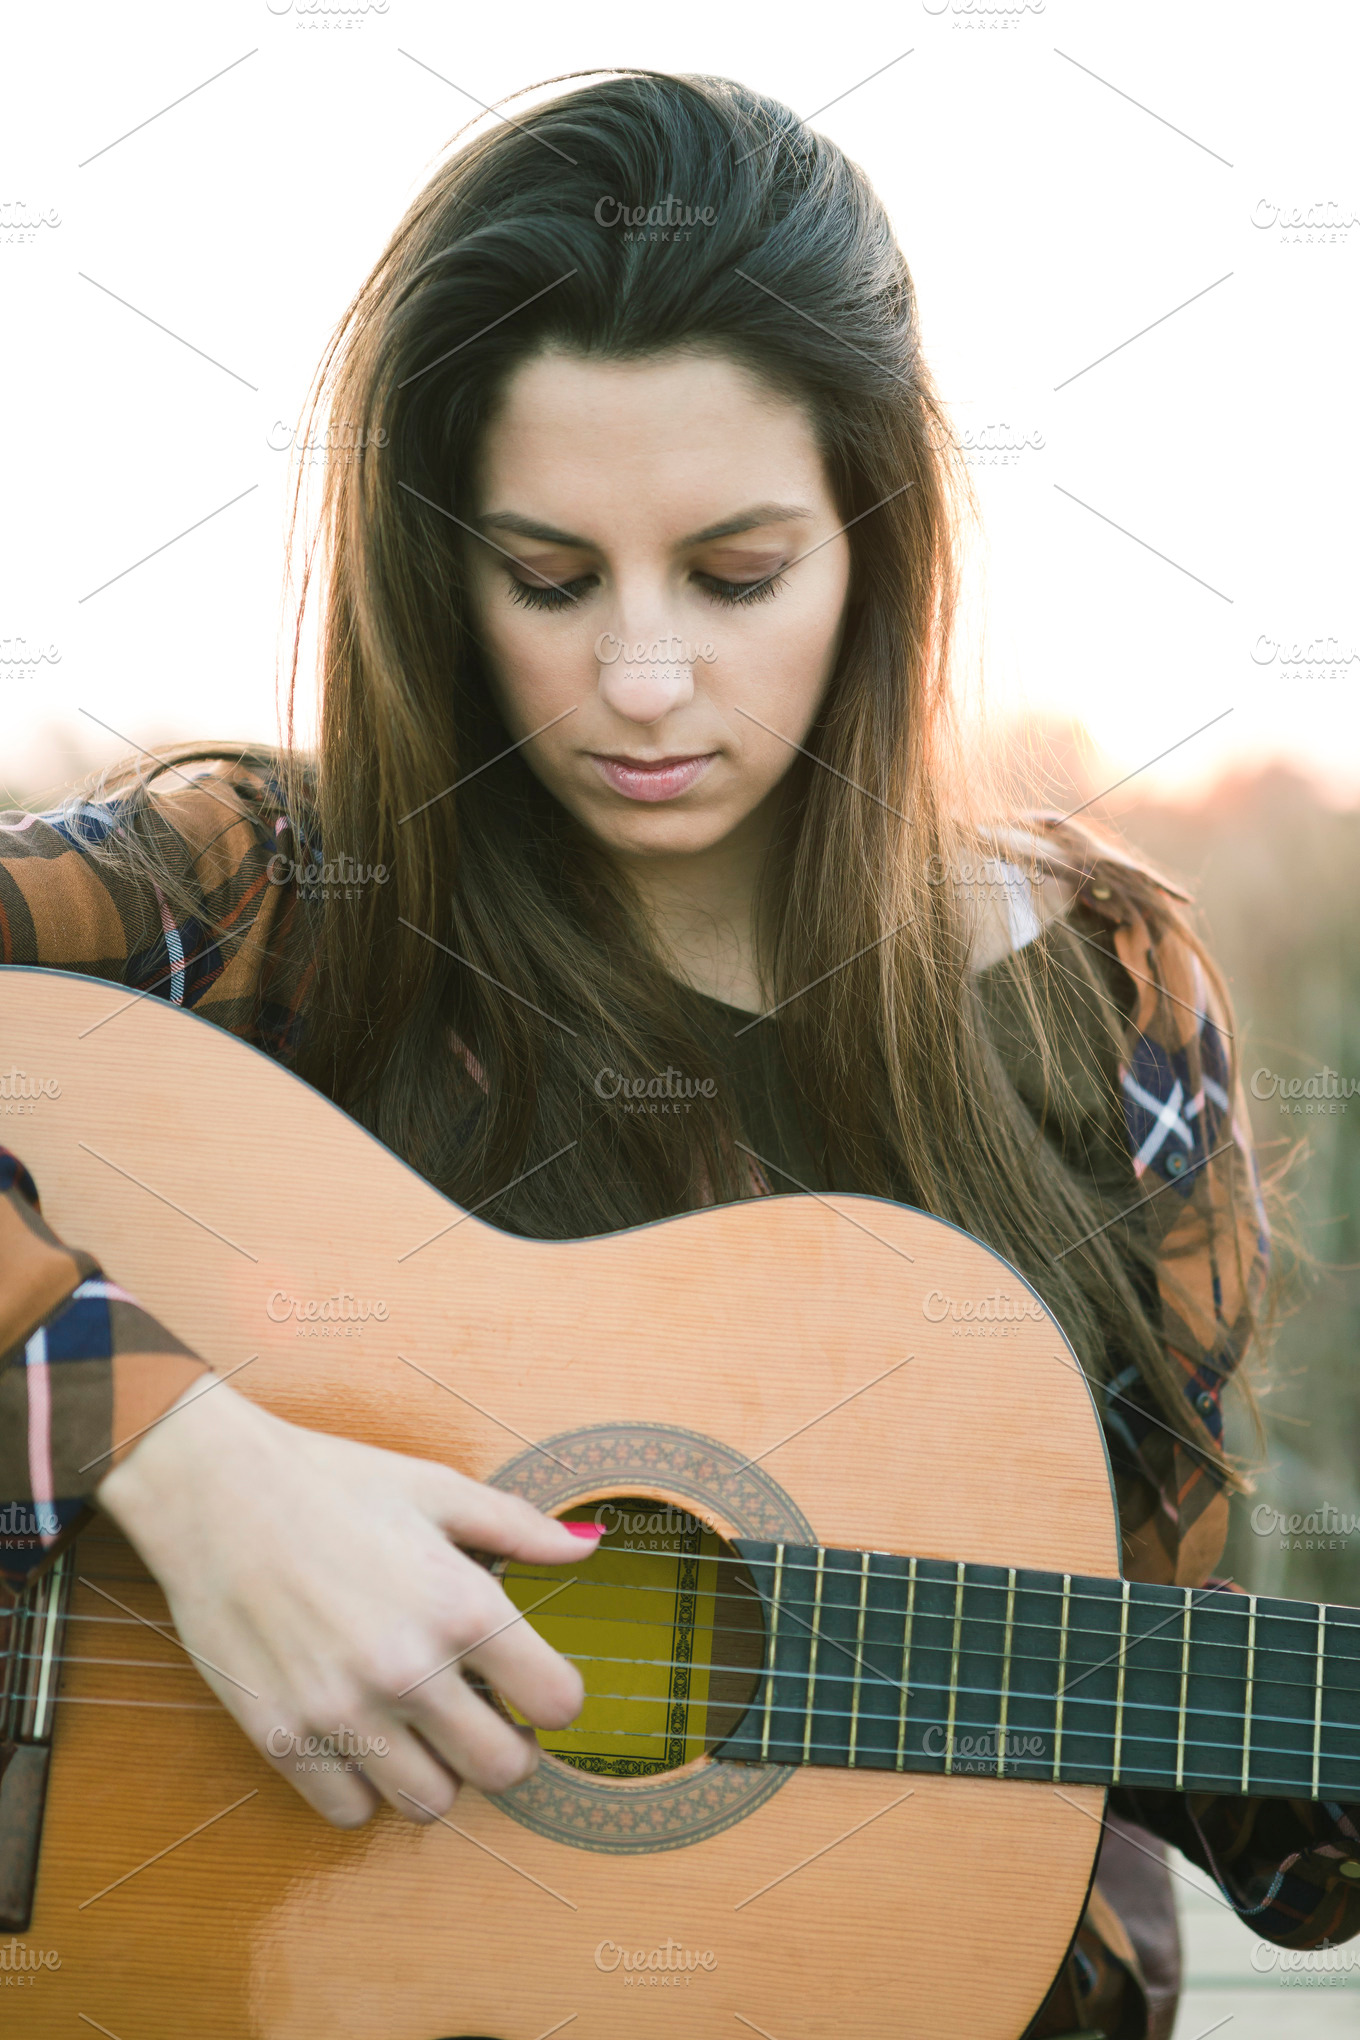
(932, 1665)
(701, 909)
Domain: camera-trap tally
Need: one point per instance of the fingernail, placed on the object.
(585, 1529)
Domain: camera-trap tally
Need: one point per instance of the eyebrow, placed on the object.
(745, 520)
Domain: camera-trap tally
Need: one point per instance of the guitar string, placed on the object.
(946, 1688)
(799, 1708)
(1290, 1787)
(758, 1675)
(1170, 1641)
(1214, 1599)
(758, 1704)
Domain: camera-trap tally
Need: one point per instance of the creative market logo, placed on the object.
(1325, 220)
(1321, 658)
(1321, 1091)
(17, 651)
(998, 1316)
(21, 1093)
(671, 1966)
(339, 1316)
(21, 223)
(1323, 1529)
(984, 13)
(670, 220)
(337, 440)
(317, 14)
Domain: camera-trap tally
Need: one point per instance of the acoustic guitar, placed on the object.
(860, 1662)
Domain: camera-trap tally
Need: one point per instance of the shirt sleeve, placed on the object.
(84, 1371)
(1290, 1868)
(1190, 1148)
(188, 915)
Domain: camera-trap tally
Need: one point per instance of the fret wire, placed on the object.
(1251, 1673)
(1185, 1686)
(774, 1634)
(1317, 1710)
(812, 1657)
(1005, 1674)
(1119, 1689)
(906, 1661)
(50, 1624)
(1062, 1667)
(954, 1674)
(859, 1652)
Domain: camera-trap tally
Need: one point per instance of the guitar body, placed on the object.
(658, 1362)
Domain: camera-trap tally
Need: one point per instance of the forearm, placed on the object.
(1289, 1867)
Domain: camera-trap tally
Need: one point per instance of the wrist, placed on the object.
(174, 1454)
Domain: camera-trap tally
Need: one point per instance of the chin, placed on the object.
(660, 831)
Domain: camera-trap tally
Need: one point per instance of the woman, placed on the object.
(638, 596)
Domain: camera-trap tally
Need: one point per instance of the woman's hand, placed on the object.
(319, 1585)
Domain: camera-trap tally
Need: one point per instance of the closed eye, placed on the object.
(733, 593)
(531, 595)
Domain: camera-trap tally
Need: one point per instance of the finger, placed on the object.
(524, 1669)
(344, 1797)
(484, 1519)
(497, 1640)
(486, 1632)
(472, 1738)
(409, 1774)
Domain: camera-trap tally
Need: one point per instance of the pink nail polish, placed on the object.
(585, 1529)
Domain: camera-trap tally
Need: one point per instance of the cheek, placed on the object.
(534, 673)
(784, 674)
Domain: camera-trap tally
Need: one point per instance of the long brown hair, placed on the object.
(503, 927)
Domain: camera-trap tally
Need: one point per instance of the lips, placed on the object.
(652, 779)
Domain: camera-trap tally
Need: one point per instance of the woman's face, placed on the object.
(654, 494)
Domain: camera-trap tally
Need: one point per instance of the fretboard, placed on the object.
(891, 1663)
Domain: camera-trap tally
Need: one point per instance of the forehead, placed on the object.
(672, 439)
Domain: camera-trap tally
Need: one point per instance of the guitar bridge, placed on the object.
(30, 1668)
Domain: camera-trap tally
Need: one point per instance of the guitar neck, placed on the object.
(887, 1663)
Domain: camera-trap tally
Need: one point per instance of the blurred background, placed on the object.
(1135, 238)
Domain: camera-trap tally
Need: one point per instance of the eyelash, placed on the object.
(731, 594)
(530, 597)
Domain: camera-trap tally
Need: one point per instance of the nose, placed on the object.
(644, 678)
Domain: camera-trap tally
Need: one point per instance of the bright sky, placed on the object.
(1172, 528)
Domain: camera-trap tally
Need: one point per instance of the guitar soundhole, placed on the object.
(665, 1626)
